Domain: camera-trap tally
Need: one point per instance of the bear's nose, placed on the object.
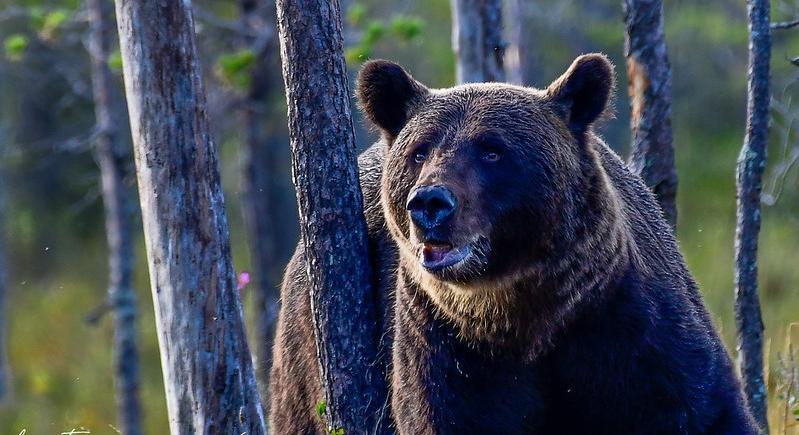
(431, 205)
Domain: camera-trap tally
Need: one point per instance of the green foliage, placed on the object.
(234, 68)
(115, 61)
(356, 55)
(321, 409)
(356, 14)
(403, 28)
(48, 23)
(15, 46)
(406, 27)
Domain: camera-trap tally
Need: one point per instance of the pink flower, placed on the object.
(244, 279)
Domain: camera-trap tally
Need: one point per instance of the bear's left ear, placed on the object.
(582, 93)
(387, 95)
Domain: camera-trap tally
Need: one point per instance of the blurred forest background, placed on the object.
(54, 233)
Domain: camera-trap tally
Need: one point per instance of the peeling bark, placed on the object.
(477, 40)
(332, 224)
(112, 157)
(208, 373)
(649, 75)
(258, 171)
(749, 177)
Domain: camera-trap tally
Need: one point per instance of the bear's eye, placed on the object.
(491, 156)
(419, 157)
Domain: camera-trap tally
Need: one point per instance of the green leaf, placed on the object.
(37, 16)
(321, 409)
(356, 14)
(406, 27)
(53, 21)
(374, 32)
(234, 68)
(115, 61)
(15, 46)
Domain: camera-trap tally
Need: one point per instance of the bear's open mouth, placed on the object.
(436, 256)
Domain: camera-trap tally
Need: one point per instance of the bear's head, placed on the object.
(482, 182)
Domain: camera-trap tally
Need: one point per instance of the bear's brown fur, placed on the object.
(551, 296)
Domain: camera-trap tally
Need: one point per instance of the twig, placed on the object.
(232, 26)
(785, 24)
(95, 314)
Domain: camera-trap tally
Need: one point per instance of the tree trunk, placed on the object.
(332, 225)
(477, 40)
(649, 87)
(751, 163)
(517, 56)
(5, 378)
(208, 373)
(258, 172)
(112, 158)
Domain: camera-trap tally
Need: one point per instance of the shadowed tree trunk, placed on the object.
(258, 172)
(477, 40)
(751, 163)
(332, 225)
(5, 378)
(649, 87)
(112, 157)
(208, 374)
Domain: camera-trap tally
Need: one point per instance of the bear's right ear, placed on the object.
(387, 95)
(582, 94)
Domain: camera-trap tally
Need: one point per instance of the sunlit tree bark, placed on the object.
(477, 40)
(208, 373)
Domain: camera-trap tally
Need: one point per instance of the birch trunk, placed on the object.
(751, 163)
(208, 373)
(332, 225)
(112, 158)
(477, 40)
(649, 87)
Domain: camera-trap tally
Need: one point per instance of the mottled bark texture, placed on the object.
(649, 87)
(332, 224)
(208, 373)
(751, 163)
(113, 157)
(477, 40)
(258, 172)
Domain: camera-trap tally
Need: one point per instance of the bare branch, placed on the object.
(785, 25)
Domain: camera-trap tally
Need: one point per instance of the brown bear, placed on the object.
(538, 289)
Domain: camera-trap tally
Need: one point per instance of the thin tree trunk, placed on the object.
(257, 160)
(477, 40)
(649, 87)
(517, 56)
(208, 374)
(332, 225)
(5, 377)
(751, 163)
(112, 158)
